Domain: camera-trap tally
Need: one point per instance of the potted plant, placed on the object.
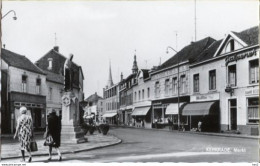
(104, 128)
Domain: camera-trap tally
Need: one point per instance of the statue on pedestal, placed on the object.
(68, 74)
(71, 131)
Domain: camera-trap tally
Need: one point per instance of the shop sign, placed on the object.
(252, 92)
(236, 57)
(205, 97)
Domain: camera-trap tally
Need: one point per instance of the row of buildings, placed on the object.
(213, 81)
(38, 86)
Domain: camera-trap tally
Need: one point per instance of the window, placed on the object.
(254, 71)
(50, 93)
(167, 87)
(139, 95)
(232, 75)
(253, 112)
(24, 83)
(135, 96)
(196, 81)
(183, 84)
(212, 80)
(157, 89)
(148, 93)
(143, 94)
(231, 46)
(38, 86)
(174, 85)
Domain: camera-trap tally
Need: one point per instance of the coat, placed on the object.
(54, 128)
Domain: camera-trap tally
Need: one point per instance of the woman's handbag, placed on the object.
(33, 146)
(48, 141)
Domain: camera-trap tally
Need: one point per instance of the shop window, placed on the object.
(38, 86)
(24, 83)
(212, 80)
(174, 85)
(254, 71)
(253, 110)
(167, 87)
(183, 84)
(196, 81)
(232, 75)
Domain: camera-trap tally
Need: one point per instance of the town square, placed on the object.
(121, 81)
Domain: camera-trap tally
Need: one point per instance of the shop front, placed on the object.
(110, 117)
(172, 112)
(36, 106)
(202, 116)
(142, 116)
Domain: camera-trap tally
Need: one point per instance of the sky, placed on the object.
(97, 32)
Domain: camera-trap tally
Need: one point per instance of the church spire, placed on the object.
(110, 81)
(135, 67)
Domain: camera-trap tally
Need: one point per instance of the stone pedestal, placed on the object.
(70, 129)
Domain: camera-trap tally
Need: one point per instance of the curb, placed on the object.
(198, 133)
(68, 152)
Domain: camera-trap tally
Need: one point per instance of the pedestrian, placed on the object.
(54, 129)
(199, 125)
(24, 130)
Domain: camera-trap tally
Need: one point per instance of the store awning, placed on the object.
(205, 108)
(109, 115)
(172, 109)
(140, 111)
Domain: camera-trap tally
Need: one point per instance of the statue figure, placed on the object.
(68, 74)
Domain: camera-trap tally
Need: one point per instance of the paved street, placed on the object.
(139, 145)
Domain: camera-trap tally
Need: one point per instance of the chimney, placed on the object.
(121, 76)
(56, 48)
(50, 60)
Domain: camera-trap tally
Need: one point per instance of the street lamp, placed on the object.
(178, 87)
(14, 17)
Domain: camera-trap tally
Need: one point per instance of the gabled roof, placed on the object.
(248, 37)
(58, 67)
(19, 61)
(145, 73)
(53, 77)
(93, 98)
(208, 53)
(188, 53)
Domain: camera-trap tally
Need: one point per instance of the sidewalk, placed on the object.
(10, 147)
(194, 132)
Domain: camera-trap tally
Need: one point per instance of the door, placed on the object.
(233, 114)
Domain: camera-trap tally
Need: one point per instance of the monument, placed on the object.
(70, 131)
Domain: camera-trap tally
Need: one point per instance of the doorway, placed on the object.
(233, 114)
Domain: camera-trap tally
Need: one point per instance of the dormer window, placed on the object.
(231, 46)
(50, 60)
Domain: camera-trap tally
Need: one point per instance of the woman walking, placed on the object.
(54, 129)
(24, 131)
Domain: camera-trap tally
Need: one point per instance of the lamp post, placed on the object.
(11, 11)
(178, 87)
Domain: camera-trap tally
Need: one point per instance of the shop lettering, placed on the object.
(252, 92)
(239, 56)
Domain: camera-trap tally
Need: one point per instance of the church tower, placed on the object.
(135, 67)
(110, 81)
